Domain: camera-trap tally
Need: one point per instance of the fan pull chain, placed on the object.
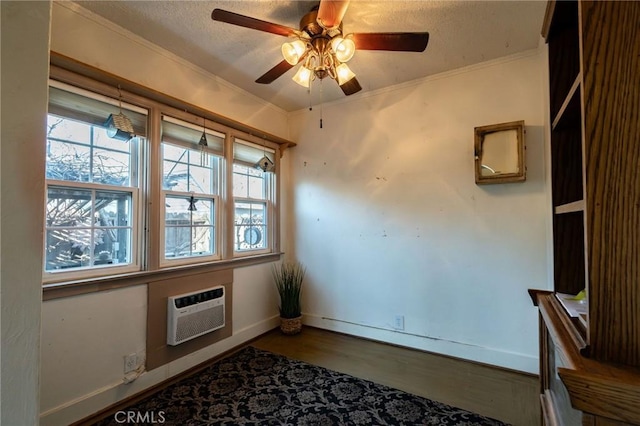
(321, 102)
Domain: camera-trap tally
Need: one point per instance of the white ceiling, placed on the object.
(461, 33)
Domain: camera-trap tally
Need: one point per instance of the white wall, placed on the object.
(25, 43)
(84, 338)
(389, 221)
(384, 213)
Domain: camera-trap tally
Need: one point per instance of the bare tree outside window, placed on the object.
(89, 225)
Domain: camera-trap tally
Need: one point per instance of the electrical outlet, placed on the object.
(399, 322)
(130, 363)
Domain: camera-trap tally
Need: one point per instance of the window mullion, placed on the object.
(92, 224)
(228, 200)
(154, 192)
(91, 154)
(191, 230)
(185, 228)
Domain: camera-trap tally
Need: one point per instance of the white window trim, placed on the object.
(191, 260)
(218, 224)
(94, 272)
(271, 182)
(183, 145)
(146, 251)
(268, 223)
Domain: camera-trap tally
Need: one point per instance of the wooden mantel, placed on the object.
(600, 390)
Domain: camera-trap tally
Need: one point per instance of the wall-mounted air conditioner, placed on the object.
(191, 315)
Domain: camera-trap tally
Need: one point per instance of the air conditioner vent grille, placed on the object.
(194, 324)
(191, 315)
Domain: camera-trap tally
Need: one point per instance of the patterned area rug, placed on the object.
(255, 387)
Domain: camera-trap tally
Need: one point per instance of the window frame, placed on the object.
(147, 224)
(269, 182)
(218, 176)
(133, 266)
(134, 189)
(190, 260)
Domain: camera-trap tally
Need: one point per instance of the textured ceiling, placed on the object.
(461, 33)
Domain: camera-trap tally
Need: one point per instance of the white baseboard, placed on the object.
(89, 404)
(509, 360)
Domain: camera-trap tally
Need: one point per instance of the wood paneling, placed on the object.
(568, 252)
(611, 54)
(566, 161)
(158, 352)
(603, 389)
(68, 63)
(595, 149)
(566, 62)
(69, 289)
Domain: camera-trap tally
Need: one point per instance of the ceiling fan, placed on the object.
(320, 45)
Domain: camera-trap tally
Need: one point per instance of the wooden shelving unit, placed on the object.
(576, 206)
(590, 369)
(570, 109)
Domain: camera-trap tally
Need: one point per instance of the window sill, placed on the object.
(60, 290)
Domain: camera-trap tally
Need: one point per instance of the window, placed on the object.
(92, 187)
(87, 227)
(253, 199)
(116, 207)
(190, 184)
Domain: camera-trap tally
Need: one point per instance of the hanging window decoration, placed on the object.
(203, 144)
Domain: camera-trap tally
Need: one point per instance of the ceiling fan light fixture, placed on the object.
(319, 47)
(293, 51)
(303, 76)
(343, 74)
(344, 48)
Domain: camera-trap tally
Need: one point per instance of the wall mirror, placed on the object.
(499, 153)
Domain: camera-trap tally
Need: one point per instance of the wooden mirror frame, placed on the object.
(480, 134)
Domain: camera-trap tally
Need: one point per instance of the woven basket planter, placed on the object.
(291, 325)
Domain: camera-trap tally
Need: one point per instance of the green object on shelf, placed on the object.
(580, 296)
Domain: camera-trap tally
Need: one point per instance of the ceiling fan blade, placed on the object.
(274, 72)
(350, 87)
(278, 70)
(331, 12)
(252, 23)
(403, 42)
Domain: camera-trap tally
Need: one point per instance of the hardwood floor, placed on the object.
(505, 395)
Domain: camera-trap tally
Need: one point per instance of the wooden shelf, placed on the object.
(576, 206)
(571, 106)
(590, 364)
(603, 389)
(563, 37)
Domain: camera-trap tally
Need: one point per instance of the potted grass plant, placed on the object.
(288, 277)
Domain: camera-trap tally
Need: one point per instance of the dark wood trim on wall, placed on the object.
(68, 289)
(73, 65)
(158, 352)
